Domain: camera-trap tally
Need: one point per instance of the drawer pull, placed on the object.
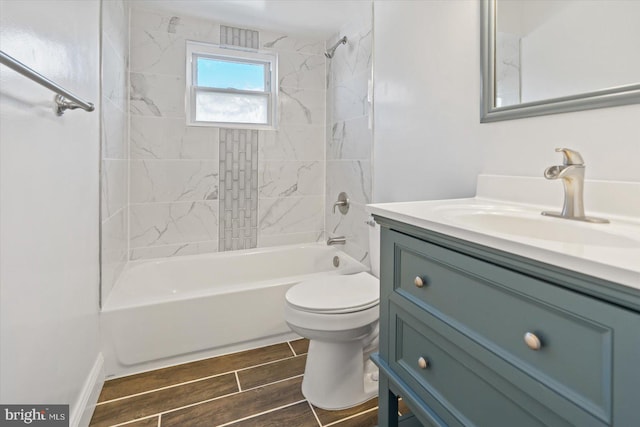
(533, 342)
(419, 282)
(423, 363)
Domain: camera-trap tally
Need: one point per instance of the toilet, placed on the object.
(339, 315)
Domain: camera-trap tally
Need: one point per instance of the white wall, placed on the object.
(595, 46)
(49, 206)
(426, 77)
(429, 142)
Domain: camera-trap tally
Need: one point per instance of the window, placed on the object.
(231, 88)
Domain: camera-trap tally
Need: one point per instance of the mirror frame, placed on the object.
(611, 97)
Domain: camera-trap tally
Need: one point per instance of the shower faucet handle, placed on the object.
(342, 203)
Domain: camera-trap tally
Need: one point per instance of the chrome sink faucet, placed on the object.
(571, 172)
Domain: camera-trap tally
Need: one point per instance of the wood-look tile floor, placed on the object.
(253, 388)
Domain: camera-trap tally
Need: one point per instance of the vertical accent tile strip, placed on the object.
(238, 189)
(238, 169)
(232, 36)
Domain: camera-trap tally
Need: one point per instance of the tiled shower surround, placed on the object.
(176, 197)
(178, 189)
(349, 137)
(507, 69)
(114, 141)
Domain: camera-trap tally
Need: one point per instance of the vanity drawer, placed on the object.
(495, 307)
(454, 384)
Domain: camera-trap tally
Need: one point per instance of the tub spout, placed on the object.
(340, 240)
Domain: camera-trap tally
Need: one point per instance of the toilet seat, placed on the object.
(338, 295)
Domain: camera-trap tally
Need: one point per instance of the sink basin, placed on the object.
(533, 225)
(505, 216)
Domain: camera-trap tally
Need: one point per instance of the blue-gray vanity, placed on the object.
(475, 334)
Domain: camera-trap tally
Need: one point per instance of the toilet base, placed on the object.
(337, 376)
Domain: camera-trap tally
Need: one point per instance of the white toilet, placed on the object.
(339, 315)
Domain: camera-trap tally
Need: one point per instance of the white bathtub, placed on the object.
(174, 310)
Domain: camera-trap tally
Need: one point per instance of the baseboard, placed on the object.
(83, 409)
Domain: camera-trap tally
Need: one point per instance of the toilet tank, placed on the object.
(374, 246)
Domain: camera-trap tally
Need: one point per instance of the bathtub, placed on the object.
(173, 310)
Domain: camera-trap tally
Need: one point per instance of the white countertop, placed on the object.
(608, 251)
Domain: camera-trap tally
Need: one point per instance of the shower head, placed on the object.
(329, 53)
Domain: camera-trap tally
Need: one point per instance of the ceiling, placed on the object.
(317, 18)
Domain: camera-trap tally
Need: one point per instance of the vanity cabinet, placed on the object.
(472, 336)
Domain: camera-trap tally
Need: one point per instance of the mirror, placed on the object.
(554, 56)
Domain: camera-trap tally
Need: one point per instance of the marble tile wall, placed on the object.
(507, 69)
(349, 134)
(291, 159)
(176, 183)
(114, 142)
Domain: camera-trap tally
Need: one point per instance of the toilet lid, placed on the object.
(336, 294)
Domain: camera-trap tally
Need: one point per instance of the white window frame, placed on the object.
(238, 54)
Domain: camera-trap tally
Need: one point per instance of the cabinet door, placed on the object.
(585, 368)
(498, 307)
(461, 389)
